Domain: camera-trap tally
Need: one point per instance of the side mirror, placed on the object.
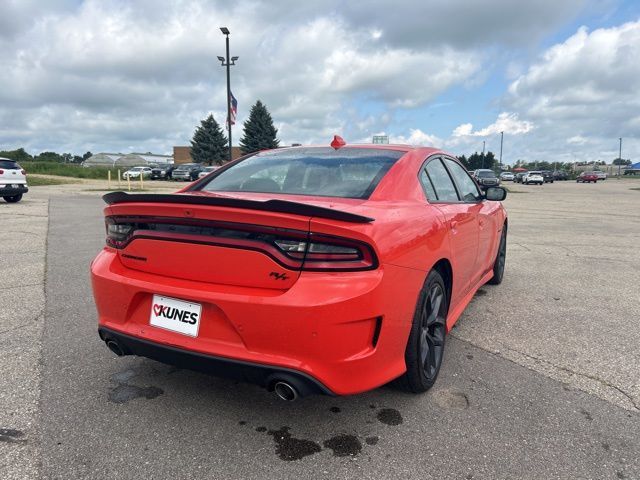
(495, 194)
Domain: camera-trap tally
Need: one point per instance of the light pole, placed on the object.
(226, 62)
(620, 158)
(501, 138)
(483, 143)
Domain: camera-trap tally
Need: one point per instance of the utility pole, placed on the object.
(483, 143)
(501, 138)
(620, 158)
(226, 62)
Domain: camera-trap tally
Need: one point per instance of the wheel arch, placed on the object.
(443, 267)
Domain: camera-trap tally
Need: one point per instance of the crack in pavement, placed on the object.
(628, 396)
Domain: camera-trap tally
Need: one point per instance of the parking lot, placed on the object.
(541, 377)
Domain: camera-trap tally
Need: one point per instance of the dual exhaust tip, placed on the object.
(283, 389)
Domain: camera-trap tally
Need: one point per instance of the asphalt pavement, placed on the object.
(531, 387)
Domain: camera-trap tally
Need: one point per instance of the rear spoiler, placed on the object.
(281, 206)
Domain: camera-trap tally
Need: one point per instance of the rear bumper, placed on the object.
(347, 330)
(7, 191)
(262, 375)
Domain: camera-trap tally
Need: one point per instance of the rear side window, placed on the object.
(441, 181)
(9, 165)
(347, 172)
(468, 189)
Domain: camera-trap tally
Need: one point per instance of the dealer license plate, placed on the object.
(175, 315)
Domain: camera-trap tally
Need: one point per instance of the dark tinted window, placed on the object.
(429, 191)
(347, 172)
(441, 181)
(468, 189)
(9, 165)
(486, 174)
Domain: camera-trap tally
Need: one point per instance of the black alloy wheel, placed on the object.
(425, 347)
(498, 265)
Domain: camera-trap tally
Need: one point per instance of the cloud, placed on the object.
(506, 122)
(582, 94)
(417, 137)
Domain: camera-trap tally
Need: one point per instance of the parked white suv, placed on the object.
(533, 177)
(13, 180)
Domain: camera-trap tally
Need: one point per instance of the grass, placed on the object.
(67, 170)
(43, 181)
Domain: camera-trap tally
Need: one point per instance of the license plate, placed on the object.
(175, 315)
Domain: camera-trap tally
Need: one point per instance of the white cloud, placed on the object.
(509, 123)
(582, 94)
(417, 137)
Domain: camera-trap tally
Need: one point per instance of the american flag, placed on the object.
(234, 109)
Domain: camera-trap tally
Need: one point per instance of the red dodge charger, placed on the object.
(305, 270)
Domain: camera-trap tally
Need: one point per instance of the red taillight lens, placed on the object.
(23, 172)
(292, 249)
(338, 254)
(1, 172)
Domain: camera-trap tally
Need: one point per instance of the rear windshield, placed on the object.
(9, 165)
(347, 173)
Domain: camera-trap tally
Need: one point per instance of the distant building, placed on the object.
(183, 154)
(142, 159)
(126, 160)
(381, 139)
(102, 160)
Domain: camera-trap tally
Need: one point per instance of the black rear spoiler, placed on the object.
(281, 206)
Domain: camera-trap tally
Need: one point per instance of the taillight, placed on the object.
(118, 234)
(292, 249)
(23, 172)
(1, 172)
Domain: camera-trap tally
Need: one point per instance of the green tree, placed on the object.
(209, 144)
(49, 157)
(480, 160)
(621, 161)
(87, 155)
(18, 155)
(259, 132)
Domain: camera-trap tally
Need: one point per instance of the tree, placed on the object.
(209, 144)
(479, 160)
(18, 155)
(259, 132)
(87, 155)
(621, 161)
(49, 157)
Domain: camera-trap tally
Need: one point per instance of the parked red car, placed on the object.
(304, 270)
(587, 177)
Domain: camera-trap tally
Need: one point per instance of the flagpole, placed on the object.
(229, 97)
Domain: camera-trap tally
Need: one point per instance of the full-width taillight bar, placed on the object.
(293, 249)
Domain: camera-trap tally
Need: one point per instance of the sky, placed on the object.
(560, 78)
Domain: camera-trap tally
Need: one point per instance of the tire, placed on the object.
(14, 199)
(425, 347)
(498, 264)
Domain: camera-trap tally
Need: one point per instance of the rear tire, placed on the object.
(425, 347)
(14, 199)
(498, 265)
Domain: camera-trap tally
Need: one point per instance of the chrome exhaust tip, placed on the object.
(285, 391)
